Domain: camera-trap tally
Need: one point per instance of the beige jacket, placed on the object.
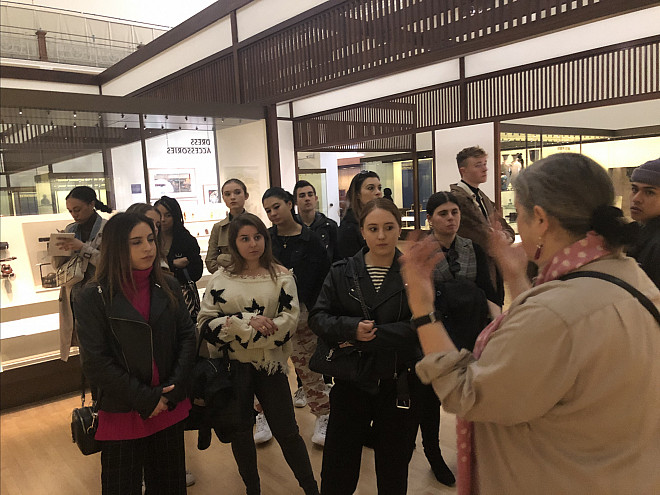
(218, 250)
(91, 252)
(566, 395)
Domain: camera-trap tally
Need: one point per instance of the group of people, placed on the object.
(547, 393)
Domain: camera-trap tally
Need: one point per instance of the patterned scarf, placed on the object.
(568, 259)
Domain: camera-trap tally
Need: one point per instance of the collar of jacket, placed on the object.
(462, 185)
(373, 299)
(121, 308)
(319, 218)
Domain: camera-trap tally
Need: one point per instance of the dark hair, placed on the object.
(439, 199)
(354, 191)
(141, 209)
(279, 193)
(114, 267)
(380, 204)
(299, 185)
(471, 152)
(237, 181)
(576, 191)
(88, 195)
(172, 205)
(237, 262)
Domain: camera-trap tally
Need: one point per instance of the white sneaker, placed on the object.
(262, 431)
(300, 398)
(320, 428)
(190, 478)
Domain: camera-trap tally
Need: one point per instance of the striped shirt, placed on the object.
(377, 274)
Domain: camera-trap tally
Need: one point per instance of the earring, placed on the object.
(539, 247)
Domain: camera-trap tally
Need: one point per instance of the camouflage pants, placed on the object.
(304, 344)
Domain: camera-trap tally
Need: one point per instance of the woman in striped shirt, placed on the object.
(385, 394)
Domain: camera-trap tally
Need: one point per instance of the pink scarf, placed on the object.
(568, 259)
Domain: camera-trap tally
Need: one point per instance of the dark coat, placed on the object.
(349, 237)
(117, 347)
(185, 245)
(307, 257)
(326, 229)
(338, 311)
(647, 250)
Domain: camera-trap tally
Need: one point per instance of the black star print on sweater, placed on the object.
(285, 301)
(217, 296)
(255, 308)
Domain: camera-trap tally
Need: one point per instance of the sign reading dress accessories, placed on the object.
(197, 146)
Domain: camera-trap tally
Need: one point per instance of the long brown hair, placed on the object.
(353, 193)
(114, 268)
(267, 259)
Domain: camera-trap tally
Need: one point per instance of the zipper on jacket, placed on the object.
(151, 338)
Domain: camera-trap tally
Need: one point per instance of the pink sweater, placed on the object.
(129, 425)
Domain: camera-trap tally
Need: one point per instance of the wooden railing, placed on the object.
(616, 74)
(343, 42)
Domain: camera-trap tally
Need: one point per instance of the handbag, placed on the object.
(191, 296)
(343, 361)
(219, 396)
(84, 421)
(71, 272)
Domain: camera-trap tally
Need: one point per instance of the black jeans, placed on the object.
(161, 456)
(352, 411)
(274, 395)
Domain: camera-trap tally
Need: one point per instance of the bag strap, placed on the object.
(643, 300)
(365, 310)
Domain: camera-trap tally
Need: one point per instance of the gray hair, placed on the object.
(568, 186)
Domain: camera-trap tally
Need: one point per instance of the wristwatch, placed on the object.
(426, 319)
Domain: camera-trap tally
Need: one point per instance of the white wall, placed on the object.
(48, 86)
(243, 154)
(127, 169)
(202, 44)
(448, 142)
(378, 88)
(260, 15)
(287, 155)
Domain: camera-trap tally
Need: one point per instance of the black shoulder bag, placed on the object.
(342, 362)
(84, 419)
(643, 300)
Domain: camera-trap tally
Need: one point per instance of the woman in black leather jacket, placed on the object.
(137, 345)
(364, 187)
(387, 393)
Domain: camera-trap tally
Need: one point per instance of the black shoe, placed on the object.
(440, 469)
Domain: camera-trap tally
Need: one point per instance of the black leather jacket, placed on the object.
(326, 229)
(306, 255)
(349, 237)
(117, 347)
(338, 311)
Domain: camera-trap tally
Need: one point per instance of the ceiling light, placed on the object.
(74, 125)
(20, 111)
(125, 126)
(75, 114)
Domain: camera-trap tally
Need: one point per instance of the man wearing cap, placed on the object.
(645, 209)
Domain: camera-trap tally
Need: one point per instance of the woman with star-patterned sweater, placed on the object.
(251, 308)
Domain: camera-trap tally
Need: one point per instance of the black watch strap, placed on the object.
(425, 320)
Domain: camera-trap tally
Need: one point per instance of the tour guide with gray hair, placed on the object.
(645, 208)
(561, 393)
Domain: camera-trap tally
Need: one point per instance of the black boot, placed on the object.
(440, 469)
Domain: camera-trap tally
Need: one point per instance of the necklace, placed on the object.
(284, 239)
